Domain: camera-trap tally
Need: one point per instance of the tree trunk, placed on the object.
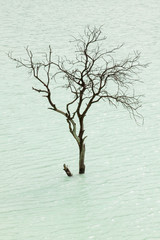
(81, 159)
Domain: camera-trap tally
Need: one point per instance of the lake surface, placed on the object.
(119, 196)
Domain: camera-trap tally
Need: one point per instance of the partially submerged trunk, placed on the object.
(81, 159)
(81, 145)
(81, 162)
(80, 141)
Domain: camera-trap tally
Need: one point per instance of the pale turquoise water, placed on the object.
(119, 196)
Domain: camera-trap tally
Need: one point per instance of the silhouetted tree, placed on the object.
(93, 75)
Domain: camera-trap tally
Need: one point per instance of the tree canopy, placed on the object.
(93, 75)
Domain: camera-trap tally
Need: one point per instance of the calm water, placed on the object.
(119, 196)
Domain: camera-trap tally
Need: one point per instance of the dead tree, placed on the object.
(93, 75)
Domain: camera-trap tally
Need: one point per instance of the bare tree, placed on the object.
(93, 75)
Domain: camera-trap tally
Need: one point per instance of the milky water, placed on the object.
(119, 196)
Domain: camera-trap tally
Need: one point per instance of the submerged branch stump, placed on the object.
(66, 169)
